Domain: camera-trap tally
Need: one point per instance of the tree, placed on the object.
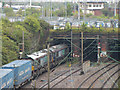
(84, 27)
(35, 34)
(3, 3)
(9, 12)
(69, 10)
(75, 14)
(44, 34)
(88, 15)
(60, 12)
(14, 32)
(9, 50)
(19, 13)
(107, 12)
(67, 26)
(32, 24)
(33, 12)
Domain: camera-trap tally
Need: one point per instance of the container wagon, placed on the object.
(6, 78)
(22, 71)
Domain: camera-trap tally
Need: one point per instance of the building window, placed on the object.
(93, 5)
(89, 5)
(97, 5)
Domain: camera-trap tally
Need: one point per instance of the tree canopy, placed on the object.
(35, 34)
(9, 12)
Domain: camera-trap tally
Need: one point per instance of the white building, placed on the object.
(93, 7)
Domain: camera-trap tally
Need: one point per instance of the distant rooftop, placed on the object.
(60, 0)
(93, 1)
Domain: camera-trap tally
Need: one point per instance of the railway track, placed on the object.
(55, 78)
(116, 72)
(87, 80)
(63, 76)
(56, 81)
(91, 85)
(59, 81)
(113, 86)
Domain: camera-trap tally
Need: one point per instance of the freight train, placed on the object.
(18, 72)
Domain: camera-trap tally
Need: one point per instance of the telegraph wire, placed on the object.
(90, 44)
(89, 54)
(113, 59)
(90, 50)
(62, 61)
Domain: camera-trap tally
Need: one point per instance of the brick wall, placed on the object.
(97, 12)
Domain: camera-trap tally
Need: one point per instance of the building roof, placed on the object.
(93, 1)
(56, 0)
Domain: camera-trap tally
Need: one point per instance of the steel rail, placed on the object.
(109, 78)
(94, 74)
(101, 75)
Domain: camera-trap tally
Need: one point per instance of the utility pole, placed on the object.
(48, 44)
(98, 50)
(82, 72)
(21, 46)
(115, 8)
(42, 9)
(30, 3)
(25, 7)
(78, 11)
(71, 46)
(10, 3)
(65, 9)
(84, 10)
(51, 8)
(74, 3)
(23, 41)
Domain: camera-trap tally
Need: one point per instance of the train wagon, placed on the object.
(22, 70)
(6, 78)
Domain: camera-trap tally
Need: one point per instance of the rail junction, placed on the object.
(104, 74)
